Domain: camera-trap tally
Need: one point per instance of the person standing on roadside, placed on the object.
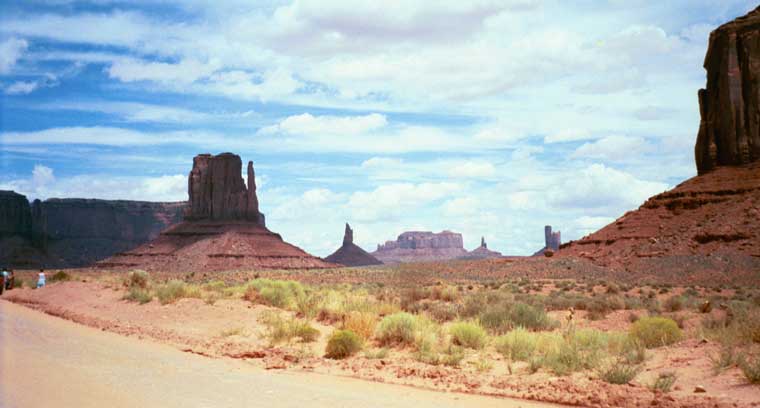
(41, 278)
(2, 280)
(11, 280)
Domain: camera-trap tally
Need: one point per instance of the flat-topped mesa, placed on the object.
(729, 130)
(348, 235)
(217, 192)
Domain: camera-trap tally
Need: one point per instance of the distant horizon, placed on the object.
(486, 118)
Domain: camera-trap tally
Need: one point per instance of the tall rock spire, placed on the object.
(348, 236)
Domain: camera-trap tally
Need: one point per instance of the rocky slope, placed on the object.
(60, 233)
(223, 229)
(350, 254)
(708, 224)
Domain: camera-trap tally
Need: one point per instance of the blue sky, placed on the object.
(490, 118)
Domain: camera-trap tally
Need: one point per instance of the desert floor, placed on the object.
(212, 344)
(47, 361)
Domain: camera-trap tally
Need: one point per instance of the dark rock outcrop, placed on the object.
(482, 252)
(552, 241)
(60, 233)
(729, 130)
(350, 254)
(216, 190)
(414, 246)
(223, 229)
(15, 214)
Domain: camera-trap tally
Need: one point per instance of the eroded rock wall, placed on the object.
(729, 131)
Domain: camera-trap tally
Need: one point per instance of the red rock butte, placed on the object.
(223, 228)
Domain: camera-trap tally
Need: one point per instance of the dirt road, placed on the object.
(46, 361)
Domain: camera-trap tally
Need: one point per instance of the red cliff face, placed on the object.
(729, 131)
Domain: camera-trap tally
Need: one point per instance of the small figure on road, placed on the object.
(41, 278)
(11, 281)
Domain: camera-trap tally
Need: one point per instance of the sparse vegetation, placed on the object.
(284, 329)
(139, 295)
(60, 276)
(619, 372)
(664, 381)
(750, 366)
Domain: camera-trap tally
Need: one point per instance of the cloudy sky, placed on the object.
(484, 117)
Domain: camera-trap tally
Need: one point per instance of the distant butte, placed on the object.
(223, 228)
(350, 254)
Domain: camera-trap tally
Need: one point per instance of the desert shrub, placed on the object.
(171, 291)
(468, 334)
(60, 276)
(276, 293)
(361, 323)
(215, 286)
(530, 317)
(725, 358)
(656, 331)
(674, 304)
(139, 295)
(342, 344)
(307, 304)
(413, 295)
(443, 312)
(280, 329)
(18, 283)
(397, 328)
(137, 278)
(664, 381)
(444, 293)
(619, 372)
(750, 367)
(519, 344)
(502, 318)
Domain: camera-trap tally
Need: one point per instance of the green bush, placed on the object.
(655, 331)
(137, 278)
(619, 373)
(397, 328)
(519, 344)
(468, 334)
(342, 344)
(136, 294)
(505, 316)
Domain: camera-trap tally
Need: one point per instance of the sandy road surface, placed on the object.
(46, 362)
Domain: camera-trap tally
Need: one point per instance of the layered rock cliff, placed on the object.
(350, 254)
(59, 233)
(729, 131)
(414, 246)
